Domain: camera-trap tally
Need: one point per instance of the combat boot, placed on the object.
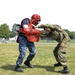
(27, 63)
(65, 70)
(18, 69)
(57, 64)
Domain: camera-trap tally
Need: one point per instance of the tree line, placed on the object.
(6, 33)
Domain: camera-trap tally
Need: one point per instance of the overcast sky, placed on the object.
(60, 12)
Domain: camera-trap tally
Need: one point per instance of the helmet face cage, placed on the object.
(36, 17)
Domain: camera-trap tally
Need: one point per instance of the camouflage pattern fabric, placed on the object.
(60, 52)
(58, 34)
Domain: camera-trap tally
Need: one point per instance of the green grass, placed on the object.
(43, 61)
(53, 41)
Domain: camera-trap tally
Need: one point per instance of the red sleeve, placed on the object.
(31, 31)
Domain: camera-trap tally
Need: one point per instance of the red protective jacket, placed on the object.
(31, 33)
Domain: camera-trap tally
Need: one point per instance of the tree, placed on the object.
(4, 31)
(72, 35)
(14, 32)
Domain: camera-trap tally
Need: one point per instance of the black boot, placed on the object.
(18, 69)
(65, 70)
(57, 64)
(27, 63)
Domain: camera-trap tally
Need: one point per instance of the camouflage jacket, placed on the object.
(57, 33)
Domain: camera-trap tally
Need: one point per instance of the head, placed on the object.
(35, 19)
(47, 29)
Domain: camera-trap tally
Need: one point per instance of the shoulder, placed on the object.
(25, 21)
(57, 26)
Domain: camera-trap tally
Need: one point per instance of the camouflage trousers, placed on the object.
(60, 52)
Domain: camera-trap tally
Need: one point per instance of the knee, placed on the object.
(22, 53)
(33, 52)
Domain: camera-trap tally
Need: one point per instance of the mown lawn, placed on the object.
(43, 61)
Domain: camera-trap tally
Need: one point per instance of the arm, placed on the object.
(58, 28)
(31, 31)
(46, 26)
(52, 27)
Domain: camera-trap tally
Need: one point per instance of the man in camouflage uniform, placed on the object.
(57, 33)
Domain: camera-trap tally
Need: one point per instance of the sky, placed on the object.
(61, 12)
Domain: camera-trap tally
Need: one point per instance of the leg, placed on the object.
(61, 56)
(55, 52)
(22, 50)
(62, 53)
(32, 50)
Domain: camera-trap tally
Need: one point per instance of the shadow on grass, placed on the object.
(48, 68)
(8, 67)
(12, 67)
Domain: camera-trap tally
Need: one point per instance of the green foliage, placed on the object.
(4, 31)
(14, 32)
(71, 34)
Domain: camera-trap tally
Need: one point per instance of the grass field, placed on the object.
(43, 61)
